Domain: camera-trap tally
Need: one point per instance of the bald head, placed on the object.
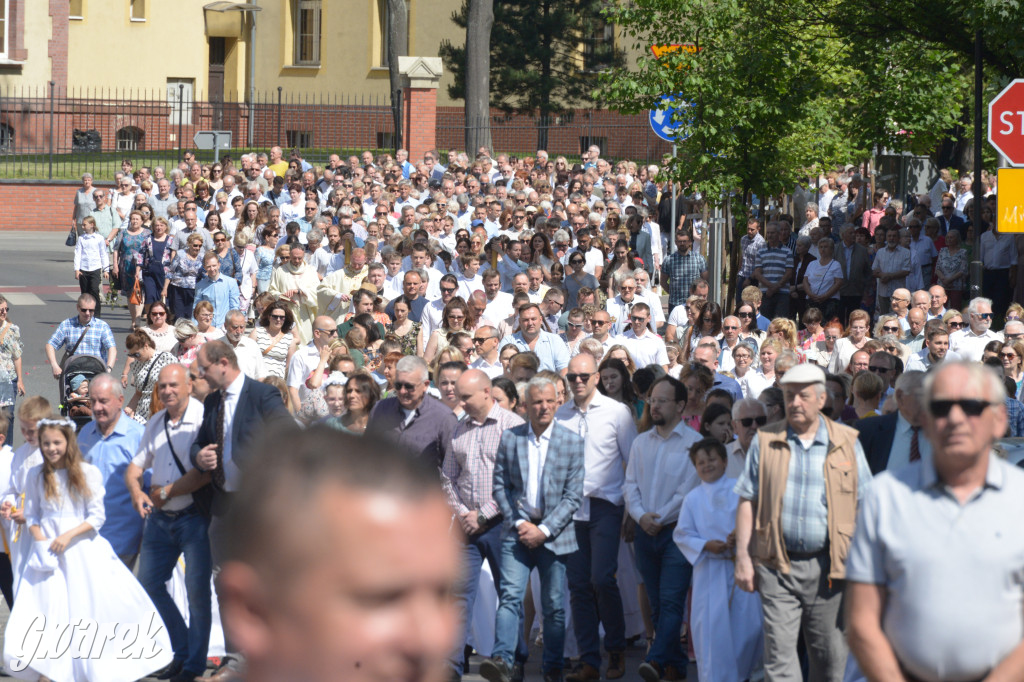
(583, 378)
(707, 355)
(473, 390)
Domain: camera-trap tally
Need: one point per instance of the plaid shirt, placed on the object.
(468, 470)
(749, 248)
(773, 263)
(681, 270)
(97, 341)
(804, 515)
(887, 262)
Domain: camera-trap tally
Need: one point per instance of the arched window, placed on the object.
(129, 139)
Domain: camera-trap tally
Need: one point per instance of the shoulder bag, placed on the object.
(69, 353)
(201, 497)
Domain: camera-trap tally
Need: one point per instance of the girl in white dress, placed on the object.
(726, 622)
(78, 614)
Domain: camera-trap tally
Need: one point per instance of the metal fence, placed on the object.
(54, 133)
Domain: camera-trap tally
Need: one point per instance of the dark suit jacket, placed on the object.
(645, 252)
(955, 223)
(876, 435)
(856, 280)
(259, 406)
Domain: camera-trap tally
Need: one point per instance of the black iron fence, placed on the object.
(55, 133)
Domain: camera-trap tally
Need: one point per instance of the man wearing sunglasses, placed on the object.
(307, 357)
(748, 415)
(815, 470)
(948, 520)
(969, 343)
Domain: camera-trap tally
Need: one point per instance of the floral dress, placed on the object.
(952, 263)
(408, 340)
(146, 375)
(264, 268)
(129, 257)
(11, 348)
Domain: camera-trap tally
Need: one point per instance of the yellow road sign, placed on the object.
(660, 51)
(1011, 200)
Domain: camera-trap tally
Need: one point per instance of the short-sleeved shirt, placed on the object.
(915, 539)
(681, 270)
(111, 455)
(773, 263)
(886, 262)
(97, 339)
(804, 505)
(550, 349)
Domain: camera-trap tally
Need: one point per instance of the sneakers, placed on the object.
(650, 671)
(616, 665)
(495, 670)
(518, 671)
(584, 672)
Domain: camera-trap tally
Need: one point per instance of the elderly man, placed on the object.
(900, 306)
(421, 423)
(621, 306)
(250, 358)
(467, 476)
(296, 282)
(1013, 330)
(748, 415)
(892, 441)
(220, 290)
(82, 334)
(856, 263)
(307, 357)
(176, 523)
(550, 349)
(914, 338)
(607, 429)
(937, 302)
(921, 299)
(961, 504)
(109, 442)
(335, 290)
(390, 612)
(773, 270)
(890, 269)
(799, 492)
(969, 343)
(538, 485)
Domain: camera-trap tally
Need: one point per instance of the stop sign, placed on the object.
(1006, 122)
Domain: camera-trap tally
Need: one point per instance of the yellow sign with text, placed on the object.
(1011, 200)
(660, 51)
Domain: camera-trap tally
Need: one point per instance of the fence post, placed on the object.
(278, 140)
(181, 116)
(49, 173)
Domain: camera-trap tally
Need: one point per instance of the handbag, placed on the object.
(69, 353)
(202, 497)
(72, 238)
(136, 296)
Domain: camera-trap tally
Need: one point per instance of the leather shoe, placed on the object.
(584, 672)
(495, 670)
(616, 665)
(169, 670)
(225, 674)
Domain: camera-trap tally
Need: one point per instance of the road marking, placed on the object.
(25, 299)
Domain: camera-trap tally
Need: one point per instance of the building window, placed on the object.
(179, 100)
(137, 10)
(76, 10)
(384, 27)
(129, 139)
(4, 13)
(301, 139)
(6, 138)
(586, 142)
(599, 46)
(385, 140)
(307, 32)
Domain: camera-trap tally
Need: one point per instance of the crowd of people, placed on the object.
(695, 479)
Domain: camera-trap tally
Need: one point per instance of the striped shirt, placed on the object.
(773, 263)
(467, 474)
(804, 505)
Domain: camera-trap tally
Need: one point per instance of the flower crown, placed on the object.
(56, 422)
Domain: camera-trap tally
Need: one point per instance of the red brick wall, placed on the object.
(57, 47)
(420, 124)
(37, 206)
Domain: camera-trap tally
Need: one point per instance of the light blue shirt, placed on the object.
(111, 455)
(550, 349)
(222, 293)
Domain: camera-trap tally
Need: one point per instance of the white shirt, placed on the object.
(91, 253)
(430, 318)
(899, 453)
(678, 317)
(492, 371)
(646, 350)
(500, 308)
(392, 287)
(752, 383)
(250, 358)
(619, 311)
(303, 362)
(970, 346)
(659, 473)
(608, 431)
(468, 286)
(592, 260)
(232, 474)
(537, 455)
(155, 453)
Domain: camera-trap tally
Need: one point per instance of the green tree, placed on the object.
(545, 56)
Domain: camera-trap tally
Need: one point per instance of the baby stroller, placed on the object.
(78, 369)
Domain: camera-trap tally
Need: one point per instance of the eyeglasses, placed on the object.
(447, 290)
(91, 311)
(984, 316)
(747, 315)
(895, 330)
(748, 421)
(730, 326)
(574, 325)
(329, 332)
(583, 376)
(970, 407)
(599, 323)
(878, 370)
(638, 320)
(219, 240)
(1009, 356)
(955, 325)
(900, 300)
(135, 356)
(404, 386)
(575, 262)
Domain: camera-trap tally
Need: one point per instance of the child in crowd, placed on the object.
(30, 411)
(726, 622)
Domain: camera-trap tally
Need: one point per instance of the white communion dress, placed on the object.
(81, 614)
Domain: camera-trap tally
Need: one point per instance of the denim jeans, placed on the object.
(666, 574)
(164, 539)
(517, 560)
(593, 588)
(477, 549)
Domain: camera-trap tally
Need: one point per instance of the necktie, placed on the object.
(915, 447)
(218, 471)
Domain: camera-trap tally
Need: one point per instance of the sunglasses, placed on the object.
(599, 323)
(1010, 356)
(891, 329)
(278, 317)
(878, 370)
(970, 407)
(984, 316)
(404, 386)
(638, 320)
(584, 377)
(744, 314)
(482, 339)
(135, 356)
(955, 325)
(747, 421)
(329, 332)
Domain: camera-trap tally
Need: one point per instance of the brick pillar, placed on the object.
(419, 103)
(57, 47)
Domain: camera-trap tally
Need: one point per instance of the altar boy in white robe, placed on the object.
(726, 622)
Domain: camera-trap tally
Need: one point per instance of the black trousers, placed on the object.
(89, 282)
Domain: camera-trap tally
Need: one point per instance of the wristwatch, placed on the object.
(163, 493)
(481, 520)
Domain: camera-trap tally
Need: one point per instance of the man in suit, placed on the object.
(538, 485)
(855, 261)
(640, 242)
(949, 220)
(234, 414)
(893, 441)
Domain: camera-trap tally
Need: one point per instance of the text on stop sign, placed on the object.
(1006, 120)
